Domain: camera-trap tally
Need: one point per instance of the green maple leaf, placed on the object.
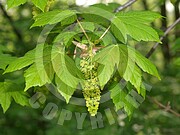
(139, 16)
(41, 4)
(118, 97)
(41, 72)
(145, 64)
(65, 90)
(14, 3)
(129, 70)
(9, 91)
(135, 24)
(53, 17)
(108, 58)
(65, 67)
(21, 62)
(130, 66)
(129, 63)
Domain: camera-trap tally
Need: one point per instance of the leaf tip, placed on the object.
(67, 101)
(4, 72)
(4, 110)
(139, 91)
(32, 26)
(26, 88)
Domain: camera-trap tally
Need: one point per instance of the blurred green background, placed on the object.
(16, 38)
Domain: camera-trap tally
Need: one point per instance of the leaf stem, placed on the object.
(97, 41)
(84, 32)
(90, 45)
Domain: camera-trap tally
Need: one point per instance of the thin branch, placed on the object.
(84, 31)
(104, 33)
(127, 4)
(16, 31)
(167, 108)
(98, 40)
(165, 33)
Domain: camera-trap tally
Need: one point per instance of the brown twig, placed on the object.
(162, 37)
(127, 4)
(167, 108)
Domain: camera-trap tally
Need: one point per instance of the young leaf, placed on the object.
(129, 70)
(9, 91)
(21, 62)
(145, 64)
(41, 72)
(134, 23)
(65, 90)
(40, 4)
(14, 3)
(109, 58)
(65, 67)
(53, 17)
(118, 97)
